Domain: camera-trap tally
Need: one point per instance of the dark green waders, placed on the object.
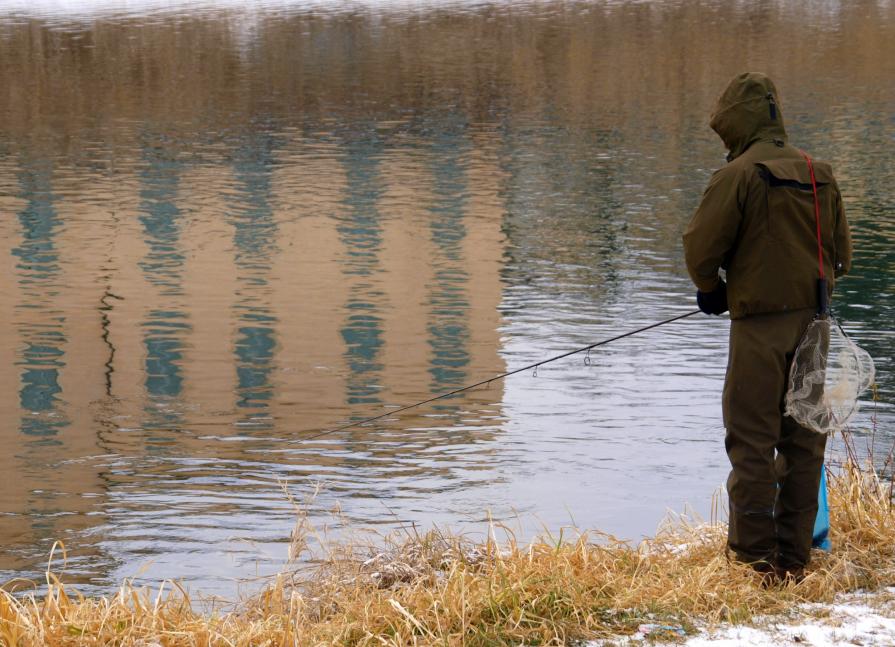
(776, 463)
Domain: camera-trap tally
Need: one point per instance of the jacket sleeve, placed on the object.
(712, 232)
(841, 240)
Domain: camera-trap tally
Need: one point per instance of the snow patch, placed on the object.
(860, 618)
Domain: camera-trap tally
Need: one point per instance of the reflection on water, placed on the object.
(166, 324)
(43, 333)
(226, 229)
(254, 234)
(360, 235)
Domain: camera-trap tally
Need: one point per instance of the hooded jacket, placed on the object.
(757, 217)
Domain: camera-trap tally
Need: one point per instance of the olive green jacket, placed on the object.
(756, 219)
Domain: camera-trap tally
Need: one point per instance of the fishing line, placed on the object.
(529, 367)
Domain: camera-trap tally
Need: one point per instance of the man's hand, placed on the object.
(714, 302)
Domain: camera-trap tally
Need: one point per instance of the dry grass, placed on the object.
(437, 590)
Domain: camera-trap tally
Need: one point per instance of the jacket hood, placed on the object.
(748, 110)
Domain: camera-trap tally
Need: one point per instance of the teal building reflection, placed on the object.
(255, 242)
(166, 326)
(360, 232)
(43, 334)
(449, 307)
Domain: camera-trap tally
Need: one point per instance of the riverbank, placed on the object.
(434, 589)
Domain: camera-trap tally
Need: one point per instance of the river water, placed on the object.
(227, 227)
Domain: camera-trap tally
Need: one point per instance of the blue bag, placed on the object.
(821, 537)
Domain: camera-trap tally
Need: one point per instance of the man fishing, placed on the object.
(759, 223)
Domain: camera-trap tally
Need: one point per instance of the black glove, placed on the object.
(714, 302)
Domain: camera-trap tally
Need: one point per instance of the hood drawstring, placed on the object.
(772, 106)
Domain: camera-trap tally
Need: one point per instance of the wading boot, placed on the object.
(767, 572)
(790, 574)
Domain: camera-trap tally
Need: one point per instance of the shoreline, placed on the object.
(587, 589)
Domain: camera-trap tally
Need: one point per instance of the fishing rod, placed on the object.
(469, 387)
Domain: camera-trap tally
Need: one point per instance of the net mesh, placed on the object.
(828, 374)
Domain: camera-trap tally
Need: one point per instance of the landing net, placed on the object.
(829, 373)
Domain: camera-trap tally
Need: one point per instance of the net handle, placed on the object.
(823, 296)
(820, 252)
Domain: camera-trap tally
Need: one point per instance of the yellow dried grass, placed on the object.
(438, 590)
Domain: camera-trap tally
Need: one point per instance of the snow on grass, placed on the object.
(862, 618)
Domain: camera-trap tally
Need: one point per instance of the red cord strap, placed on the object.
(820, 252)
